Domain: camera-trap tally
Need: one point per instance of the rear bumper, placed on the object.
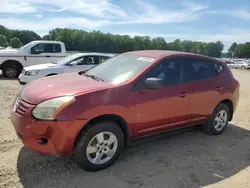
(47, 137)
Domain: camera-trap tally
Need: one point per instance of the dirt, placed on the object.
(188, 159)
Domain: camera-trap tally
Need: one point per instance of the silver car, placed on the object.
(242, 64)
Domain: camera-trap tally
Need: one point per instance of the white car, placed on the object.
(12, 61)
(74, 63)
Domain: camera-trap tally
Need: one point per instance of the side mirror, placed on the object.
(153, 83)
(73, 63)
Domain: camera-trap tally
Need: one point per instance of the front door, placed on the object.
(43, 53)
(166, 108)
(82, 64)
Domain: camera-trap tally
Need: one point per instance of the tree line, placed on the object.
(239, 50)
(96, 41)
(16, 38)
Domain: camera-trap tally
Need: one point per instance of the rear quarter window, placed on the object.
(218, 68)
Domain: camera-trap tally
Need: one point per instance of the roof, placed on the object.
(161, 53)
(94, 53)
(47, 41)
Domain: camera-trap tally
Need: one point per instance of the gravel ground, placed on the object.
(190, 159)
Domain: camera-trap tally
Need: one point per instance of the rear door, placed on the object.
(162, 109)
(203, 87)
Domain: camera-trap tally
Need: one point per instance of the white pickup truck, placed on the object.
(12, 61)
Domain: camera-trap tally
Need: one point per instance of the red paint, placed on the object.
(145, 112)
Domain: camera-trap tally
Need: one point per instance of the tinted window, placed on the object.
(169, 71)
(103, 58)
(86, 60)
(46, 48)
(197, 69)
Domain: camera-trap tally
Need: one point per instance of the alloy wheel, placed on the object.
(101, 148)
(220, 120)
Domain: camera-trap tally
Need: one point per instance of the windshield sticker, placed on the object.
(146, 59)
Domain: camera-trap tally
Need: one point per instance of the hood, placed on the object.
(39, 67)
(9, 52)
(61, 85)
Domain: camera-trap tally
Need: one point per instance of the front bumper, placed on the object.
(47, 137)
(24, 79)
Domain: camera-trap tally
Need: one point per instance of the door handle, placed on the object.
(47, 56)
(182, 94)
(218, 88)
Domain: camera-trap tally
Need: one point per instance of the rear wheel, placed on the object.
(99, 146)
(243, 67)
(218, 120)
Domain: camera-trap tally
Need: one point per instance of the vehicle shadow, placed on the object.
(5, 78)
(191, 159)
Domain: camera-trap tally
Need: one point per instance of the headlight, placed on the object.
(49, 109)
(31, 73)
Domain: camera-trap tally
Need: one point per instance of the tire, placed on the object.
(243, 68)
(216, 125)
(90, 159)
(11, 71)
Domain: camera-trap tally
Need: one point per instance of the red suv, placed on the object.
(93, 115)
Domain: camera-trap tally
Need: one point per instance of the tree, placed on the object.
(3, 41)
(231, 50)
(47, 37)
(242, 50)
(5, 31)
(15, 42)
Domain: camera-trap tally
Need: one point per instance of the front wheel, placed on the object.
(99, 146)
(242, 68)
(218, 120)
(11, 71)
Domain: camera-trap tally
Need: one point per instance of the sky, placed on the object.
(199, 20)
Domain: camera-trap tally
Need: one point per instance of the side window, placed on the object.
(57, 48)
(88, 60)
(197, 69)
(218, 68)
(46, 48)
(37, 49)
(102, 59)
(78, 61)
(169, 71)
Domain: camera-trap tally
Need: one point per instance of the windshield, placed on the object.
(68, 59)
(26, 46)
(120, 68)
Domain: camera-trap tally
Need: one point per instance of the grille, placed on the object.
(21, 108)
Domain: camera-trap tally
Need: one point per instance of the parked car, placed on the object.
(229, 63)
(73, 63)
(12, 61)
(94, 115)
(242, 64)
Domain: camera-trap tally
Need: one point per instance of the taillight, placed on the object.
(237, 82)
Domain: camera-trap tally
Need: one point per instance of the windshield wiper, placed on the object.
(94, 77)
